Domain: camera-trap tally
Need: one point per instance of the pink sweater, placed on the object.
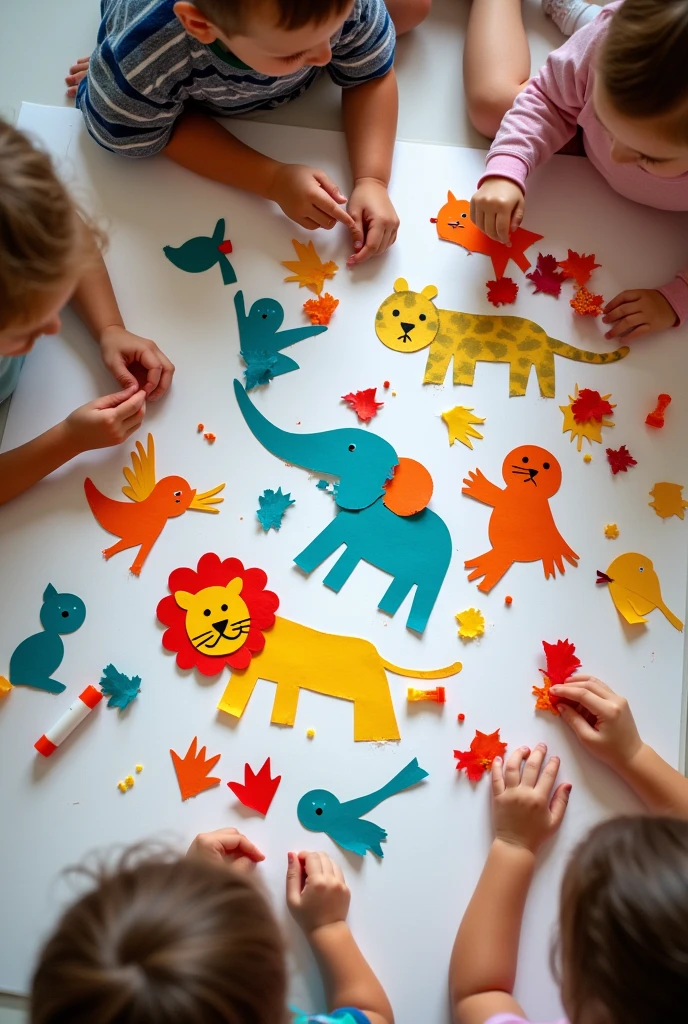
(544, 117)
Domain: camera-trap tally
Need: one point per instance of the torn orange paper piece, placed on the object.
(319, 311)
(461, 425)
(635, 589)
(192, 770)
(590, 429)
(545, 700)
(584, 303)
(668, 500)
(484, 748)
(410, 489)
(308, 269)
(454, 224)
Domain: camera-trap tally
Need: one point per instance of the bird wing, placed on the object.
(358, 836)
(141, 478)
(117, 517)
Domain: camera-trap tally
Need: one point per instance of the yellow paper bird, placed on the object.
(309, 270)
(668, 500)
(471, 623)
(635, 590)
(460, 425)
(592, 430)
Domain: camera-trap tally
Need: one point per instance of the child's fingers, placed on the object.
(576, 723)
(517, 217)
(373, 242)
(502, 224)
(627, 296)
(112, 401)
(624, 327)
(548, 776)
(243, 846)
(512, 772)
(590, 701)
(164, 382)
(620, 311)
(531, 770)
(477, 214)
(311, 863)
(559, 803)
(637, 332)
(293, 881)
(327, 207)
(131, 406)
(591, 683)
(338, 873)
(330, 187)
(327, 865)
(357, 233)
(498, 785)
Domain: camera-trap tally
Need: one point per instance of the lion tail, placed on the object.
(419, 673)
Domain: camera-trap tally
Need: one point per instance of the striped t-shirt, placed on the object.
(146, 68)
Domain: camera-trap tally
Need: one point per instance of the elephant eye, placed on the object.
(207, 611)
(524, 459)
(422, 317)
(545, 465)
(224, 607)
(352, 447)
(395, 312)
(318, 810)
(65, 615)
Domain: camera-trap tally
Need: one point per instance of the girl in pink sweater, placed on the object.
(622, 82)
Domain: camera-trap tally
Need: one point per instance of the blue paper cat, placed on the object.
(36, 658)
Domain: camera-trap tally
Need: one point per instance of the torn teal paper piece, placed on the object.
(36, 658)
(415, 550)
(273, 505)
(361, 460)
(261, 341)
(119, 688)
(202, 252)
(321, 811)
(322, 485)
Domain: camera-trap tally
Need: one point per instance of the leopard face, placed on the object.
(407, 321)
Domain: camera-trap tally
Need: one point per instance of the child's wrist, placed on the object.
(104, 332)
(372, 179)
(67, 441)
(516, 848)
(326, 934)
(266, 180)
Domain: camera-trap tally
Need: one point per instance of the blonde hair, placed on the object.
(42, 239)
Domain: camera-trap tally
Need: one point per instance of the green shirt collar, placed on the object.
(221, 51)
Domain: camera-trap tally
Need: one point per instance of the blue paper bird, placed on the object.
(321, 811)
(261, 340)
(203, 252)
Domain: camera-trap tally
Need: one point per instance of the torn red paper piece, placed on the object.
(590, 405)
(546, 277)
(561, 661)
(579, 267)
(363, 403)
(258, 791)
(620, 459)
(502, 292)
(584, 303)
(484, 748)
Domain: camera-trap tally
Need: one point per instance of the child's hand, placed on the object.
(375, 219)
(497, 208)
(226, 846)
(107, 421)
(636, 313)
(121, 350)
(308, 197)
(525, 811)
(317, 894)
(76, 73)
(614, 737)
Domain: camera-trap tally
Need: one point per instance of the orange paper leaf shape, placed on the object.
(309, 270)
(484, 748)
(579, 267)
(363, 403)
(502, 292)
(320, 310)
(545, 700)
(192, 770)
(258, 791)
(584, 303)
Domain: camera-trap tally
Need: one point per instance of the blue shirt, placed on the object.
(146, 68)
(347, 1015)
(10, 368)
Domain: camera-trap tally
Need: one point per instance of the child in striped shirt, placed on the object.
(161, 67)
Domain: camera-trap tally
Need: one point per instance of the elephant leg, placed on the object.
(423, 603)
(341, 570)
(394, 596)
(325, 544)
(374, 718)
(285, 704)
(238, 691)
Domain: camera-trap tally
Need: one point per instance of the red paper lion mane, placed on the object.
(211, 572)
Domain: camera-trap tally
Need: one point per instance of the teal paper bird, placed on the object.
(201, 253)
(261, 340)
(321, 811)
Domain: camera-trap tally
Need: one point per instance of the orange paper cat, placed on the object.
(454, 224)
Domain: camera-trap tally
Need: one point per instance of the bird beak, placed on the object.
(204, 502)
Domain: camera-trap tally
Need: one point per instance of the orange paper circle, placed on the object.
(409, 490)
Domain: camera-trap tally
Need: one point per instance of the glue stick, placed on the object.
(81, 707)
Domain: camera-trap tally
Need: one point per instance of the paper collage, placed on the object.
(35, 659)
(261, 341)
(584, 416)
(635, 590)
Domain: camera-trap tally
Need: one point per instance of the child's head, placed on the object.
(641, 87)
(42, 244)
(164, 941)
(274, 37)
(624, 923)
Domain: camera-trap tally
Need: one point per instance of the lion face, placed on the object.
(217, 619)
(407, 321)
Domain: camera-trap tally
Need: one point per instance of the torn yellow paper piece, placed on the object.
(668, 500)
(461, 425)
(309, 270)
(471, 623)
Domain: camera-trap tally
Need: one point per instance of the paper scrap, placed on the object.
(590, 405)
(192, 770)
(546, 277)
(308, 269)
(363, 403)
(258, 791)
(320, 310)
(589, 424)
(668, 500)
(471, 623)
(461, 425)
(620, 459)
(119, 688)
(611, 531)
(578, 267)
(584, 303)
(635, 589)
(502, 292)
(273, 505)
(478, 759)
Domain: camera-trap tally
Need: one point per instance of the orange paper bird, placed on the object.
(153, 504)
(192, 770)
(454, 224)
(309, 270)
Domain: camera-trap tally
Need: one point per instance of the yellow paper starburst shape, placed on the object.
(611, 531)
(461, 425)
(668, 500)
(592, 430)
(309, 270)
(471, 623)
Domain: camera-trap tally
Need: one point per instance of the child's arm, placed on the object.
(370, 123)
(318, 897)
(614, 739)
(95, 303)
(482, 971)
(107, 421)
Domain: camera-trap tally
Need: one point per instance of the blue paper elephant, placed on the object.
(414, 549)
(261, 340)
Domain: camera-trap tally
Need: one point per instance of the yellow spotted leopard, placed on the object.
(409, 321)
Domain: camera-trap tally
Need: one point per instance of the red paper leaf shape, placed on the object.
(546, 277)
(258, 791)
(561, 662)
(620, 459)
(484, 748)
(363, 403)
(579, 267)
(590, 405)
(502, 292)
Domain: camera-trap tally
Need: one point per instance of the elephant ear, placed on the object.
(410, 489)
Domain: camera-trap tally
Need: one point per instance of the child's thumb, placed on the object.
(293, 879)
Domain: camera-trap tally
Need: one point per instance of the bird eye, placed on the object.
(352, 447)
(395, 312)
(65, 615)
(422, 317)
(545, 465)
(318, 810)
(207, 611)
(641, 568)
(224, 607)
(525, 458)
(177, 494)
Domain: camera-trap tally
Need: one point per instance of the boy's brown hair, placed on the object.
(42, 241)
(163, 941)
(624, 923)
(643, 63)
(231, 15)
